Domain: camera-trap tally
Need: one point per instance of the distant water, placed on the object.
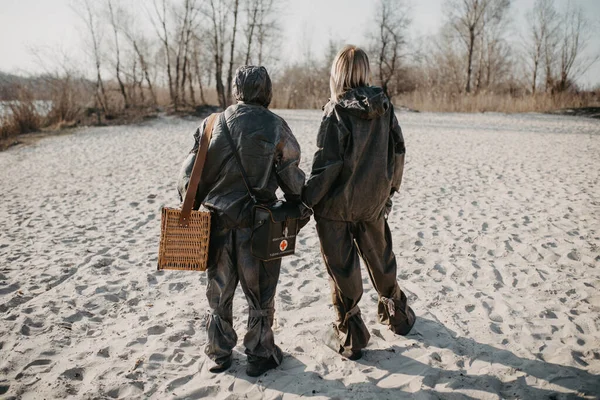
(42, 106)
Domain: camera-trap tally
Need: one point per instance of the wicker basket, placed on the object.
(181, 247)
(185, 233)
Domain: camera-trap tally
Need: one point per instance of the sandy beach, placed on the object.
(496, 231)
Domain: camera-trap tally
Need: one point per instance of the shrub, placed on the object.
(20, 116)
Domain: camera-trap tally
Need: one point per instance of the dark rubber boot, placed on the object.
(351, 354)
(259, 365)
(221, 367)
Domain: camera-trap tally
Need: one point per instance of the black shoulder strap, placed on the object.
(237, 156)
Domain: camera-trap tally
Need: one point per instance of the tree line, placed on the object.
(187, 48)
(183, 53)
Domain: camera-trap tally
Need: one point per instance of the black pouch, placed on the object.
(274, 226)
(274, 230)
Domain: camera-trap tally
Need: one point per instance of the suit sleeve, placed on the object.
(328, 160)
(290, 177)
(399, 152)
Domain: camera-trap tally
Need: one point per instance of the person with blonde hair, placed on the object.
(356, 170)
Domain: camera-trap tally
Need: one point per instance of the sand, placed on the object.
(496, 231)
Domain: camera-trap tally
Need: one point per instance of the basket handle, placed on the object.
(190, 194)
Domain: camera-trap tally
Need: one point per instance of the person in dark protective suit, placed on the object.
(270, 155)
(357, 168)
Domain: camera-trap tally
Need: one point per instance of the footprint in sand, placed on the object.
(157, 357)
(304, 283)
(207, 392)
(4, 387)
(103, 352)
(285, 296)
(112, 298)
(578, 357)
(496, 329)
(35, 363)
(308, 300)
(136, 342)
(174, 384)
(74, 374)
(177, 286)
(151, 278)
(548, 314)
(574, 255)
(9, 289)
(177, 356)
(492, 315)
(156, 330)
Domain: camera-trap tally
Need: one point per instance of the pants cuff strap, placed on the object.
(257, 313)
(389, 303)
(351, 313)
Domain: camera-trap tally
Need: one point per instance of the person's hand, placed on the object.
(305, 213)
(388, 207)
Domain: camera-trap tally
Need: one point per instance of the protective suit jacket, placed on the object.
(269, 152)
(360, 157)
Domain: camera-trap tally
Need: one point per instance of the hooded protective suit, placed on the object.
(356, 169)
(270, 154)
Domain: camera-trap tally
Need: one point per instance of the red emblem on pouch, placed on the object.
(283, 245)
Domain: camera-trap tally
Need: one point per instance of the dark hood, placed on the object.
(252, 85)
(366, 102)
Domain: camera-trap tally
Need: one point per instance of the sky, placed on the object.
(50, 26)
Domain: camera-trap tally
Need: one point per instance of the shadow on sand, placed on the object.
(293, 378)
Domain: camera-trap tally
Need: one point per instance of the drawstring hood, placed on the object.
(252, 85)
(365, 102)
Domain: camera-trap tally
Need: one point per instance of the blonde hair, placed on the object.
(350, 69)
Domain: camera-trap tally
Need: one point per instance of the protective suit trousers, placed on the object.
(341, 245)
(230, 261)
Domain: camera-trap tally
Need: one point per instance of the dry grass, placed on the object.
(164, 99)
(21, 117)
(490, 102)
(25, 115)
(70, 99)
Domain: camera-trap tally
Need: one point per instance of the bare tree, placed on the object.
(188, 24)
(218, 17)
(261, 31)
(468, 18)
(89, 17)
(252, 20)
(231, 55)
(333, 47)
(540, 42)
(138, 44)
(574, 36)
(160, 26)
(266, 26)
(441, 63)
(62, 83)
(136, 84)
(141, 48)
(197, 52)
(392, 21)
(118, 56)
(495, 58)
(558, 42)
